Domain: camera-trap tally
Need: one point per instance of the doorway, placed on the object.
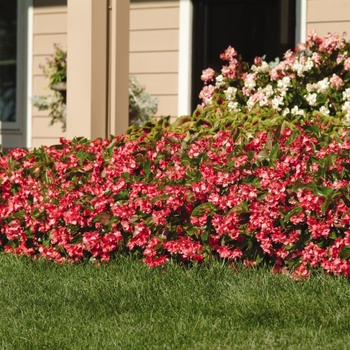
(252, 27)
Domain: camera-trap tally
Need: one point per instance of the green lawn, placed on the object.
(126, 305)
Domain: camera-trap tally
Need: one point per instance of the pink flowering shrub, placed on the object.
(255, 186)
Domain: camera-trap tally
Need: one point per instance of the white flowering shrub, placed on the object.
(313, 78)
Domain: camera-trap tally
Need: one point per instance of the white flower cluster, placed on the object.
(230, 95)
(270, 96)
(264, 68)
(277, 101)
(250, 82)
(321, 86)
(311, 99)
(294, 111)
(283, 85)
(261, 96)
(303, 65)
(219, 81)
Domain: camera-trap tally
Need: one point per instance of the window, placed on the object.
(8, 60)
(15, 72)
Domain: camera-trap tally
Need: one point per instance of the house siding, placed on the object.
(49, 28)
(326, 16)
(154, 54)
(154, 50)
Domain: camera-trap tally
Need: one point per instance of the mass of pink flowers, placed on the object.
(258, 188)
(189, 202)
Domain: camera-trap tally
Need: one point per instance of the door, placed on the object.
(252, 27)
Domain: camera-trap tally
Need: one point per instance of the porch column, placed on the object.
(118, 84)
(97, 103)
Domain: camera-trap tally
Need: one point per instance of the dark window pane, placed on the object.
(8, 59)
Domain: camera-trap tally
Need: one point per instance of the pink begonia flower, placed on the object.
(258, 61)
(331, 42)
(336, 82)
(206, 93)
(316, 58)
(225, 71)
(312, 35)
(300, 271)
(226, 253)
(208, 75)
(347, 64)
(228, 54)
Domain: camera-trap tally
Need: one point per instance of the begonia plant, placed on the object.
(256, 183)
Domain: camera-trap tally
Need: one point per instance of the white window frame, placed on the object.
(300, 27)
(185, 58)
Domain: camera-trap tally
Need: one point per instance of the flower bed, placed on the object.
(254, 183)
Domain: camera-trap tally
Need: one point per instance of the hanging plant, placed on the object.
(56, 71)
(142, 105)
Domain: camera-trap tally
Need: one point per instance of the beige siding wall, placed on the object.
(49, 28)
(154, 50)
(328, 16)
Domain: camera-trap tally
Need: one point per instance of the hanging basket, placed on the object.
(62, 89)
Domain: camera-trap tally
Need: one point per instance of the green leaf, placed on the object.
(294, 262)
(161, 197)
(103, 218)
(294, 211)
(147, 167)
(344, 253)
(308, 186)
(46, 178)
(262, 155)
(241, 208)
(274, 152)
(314, 129)
(321, 99)
(205, 236)
(76, 239)
(17, 215)
(291, 138)
(55, 201)
(205, 208)
(122, 195)
(158, 136)
(111, 145)
(334, 234)
(324, 191)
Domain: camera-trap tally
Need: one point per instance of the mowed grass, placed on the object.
(126, 305)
